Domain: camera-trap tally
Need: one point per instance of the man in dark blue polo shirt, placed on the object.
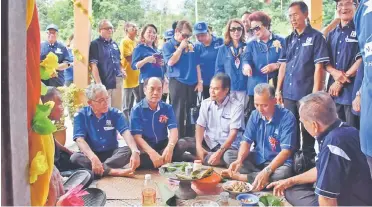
(104, 59)
(273, 130)
(151, 119)
(341, 173)
(59, 49)
(362, 20)
(301, 71)
(345, 60)
(184, 75)
(207, 49)
(95, 132)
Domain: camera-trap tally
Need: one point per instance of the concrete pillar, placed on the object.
(82, 39)
(315, 13)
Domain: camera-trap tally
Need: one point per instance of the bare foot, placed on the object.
(121, 172)
(235, 176)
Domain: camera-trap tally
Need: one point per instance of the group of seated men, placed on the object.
(341, 175)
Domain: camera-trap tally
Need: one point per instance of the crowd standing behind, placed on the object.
(264, 101)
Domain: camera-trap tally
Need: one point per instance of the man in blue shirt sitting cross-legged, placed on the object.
(151, 119)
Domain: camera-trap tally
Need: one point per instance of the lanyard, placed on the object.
(236, 56)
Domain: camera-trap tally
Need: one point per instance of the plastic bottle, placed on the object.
(148, 192)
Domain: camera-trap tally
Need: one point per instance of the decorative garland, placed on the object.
(83, 10)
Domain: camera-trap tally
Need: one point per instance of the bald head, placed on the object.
(318, 107)
(153, 88)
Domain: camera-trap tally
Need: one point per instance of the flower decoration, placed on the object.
(48, 66)
(163, 119)
(41, 124)
(38, 167)
(277, 45)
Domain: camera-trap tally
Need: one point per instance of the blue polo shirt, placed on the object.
(225, 63)
(301, 53)
(271, 137)
(100, 134)
(208, 56)
(148, 70)
(146, 122)
(342, 168)
(343, 50)
(258, 55)
(106, 54)
(358, 84)
(185, 69)
(69, 72)
(59, 49)
(362, 20)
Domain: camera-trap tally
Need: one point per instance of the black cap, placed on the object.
(52, 26)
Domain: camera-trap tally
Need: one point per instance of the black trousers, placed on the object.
(183, 99)
(178, 151)
(301, 195)
(345, 114)
(141, 91)
(206, 92)
(250, 108)
(307, 140)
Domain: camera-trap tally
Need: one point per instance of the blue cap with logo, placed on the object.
(200, 28)
(168, 34)
(52, 26)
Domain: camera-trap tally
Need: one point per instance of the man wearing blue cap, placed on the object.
(168, 34)
(206, 48)
(59, 49)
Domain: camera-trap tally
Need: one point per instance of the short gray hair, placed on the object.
(93, 89)
(263, 88)
(318, 107)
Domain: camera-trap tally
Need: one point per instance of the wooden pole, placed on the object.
(82, 39)
(315, 13)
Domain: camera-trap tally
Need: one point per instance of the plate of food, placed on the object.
(237, 187)
(183, 171)
(208, 203)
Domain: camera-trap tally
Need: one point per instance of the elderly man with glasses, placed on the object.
(95, 132)
(104, 59)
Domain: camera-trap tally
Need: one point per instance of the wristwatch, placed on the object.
(136, 151)
(223, 149)
(268, 170)
(201, 81)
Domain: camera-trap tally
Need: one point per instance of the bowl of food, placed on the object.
(237, 187)
(208, 183)
(247, 199)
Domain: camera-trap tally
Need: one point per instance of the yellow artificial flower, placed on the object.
(38, 167)
(277, 45)
(50, 63)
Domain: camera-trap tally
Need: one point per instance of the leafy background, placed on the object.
(215, 12)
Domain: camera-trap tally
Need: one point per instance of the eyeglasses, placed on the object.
(107, 28)
(233, 29)
(185, 36)
(102, 100)
(255, 29)
(346, 5)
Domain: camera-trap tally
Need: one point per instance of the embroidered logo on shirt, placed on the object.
(163, 119)
(58, 51)
(368, 49)
(347, 39)
(353, 34)
(273, 142)
(308, 42)
(115, 46)
(108, 126)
